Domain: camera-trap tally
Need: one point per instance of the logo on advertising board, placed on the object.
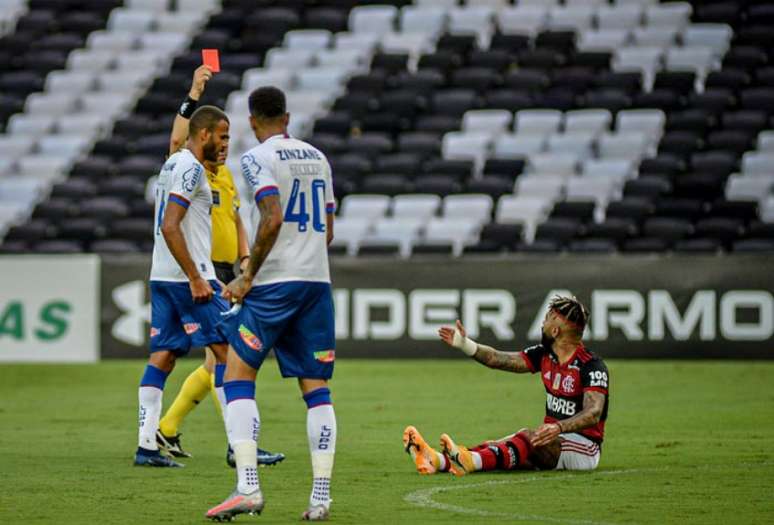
(45, 318)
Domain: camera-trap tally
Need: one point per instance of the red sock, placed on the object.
(505, 455)
(520, 448)
(446, 465)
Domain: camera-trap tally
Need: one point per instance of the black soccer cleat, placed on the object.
(171, 445)
(264, 457)
(153, 458)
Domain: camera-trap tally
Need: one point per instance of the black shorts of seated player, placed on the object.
(224, 271)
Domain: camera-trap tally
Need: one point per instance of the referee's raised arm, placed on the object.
(177, 139)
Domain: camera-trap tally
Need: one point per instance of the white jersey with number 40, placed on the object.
(300, 174)
(182, 181)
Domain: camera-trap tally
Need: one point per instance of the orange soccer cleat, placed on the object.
(425, 458)
(461, 458)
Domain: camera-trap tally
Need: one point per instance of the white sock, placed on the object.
(477, 460)
(442, 464)
(221, 394)
(244, 427)
(321, 431)
(150, 412)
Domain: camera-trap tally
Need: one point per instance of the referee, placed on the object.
(229, 247)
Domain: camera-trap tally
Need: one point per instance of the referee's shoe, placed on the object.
(264, 457)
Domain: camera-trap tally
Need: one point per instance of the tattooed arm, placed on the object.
(593, 404)
(486, 355)
(508, 361)
(268, 230)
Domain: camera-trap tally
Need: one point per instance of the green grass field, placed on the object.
(687, 442)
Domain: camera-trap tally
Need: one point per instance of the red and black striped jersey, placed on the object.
(566, 383)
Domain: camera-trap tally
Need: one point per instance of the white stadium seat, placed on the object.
(374, 19)
(750, 187)
(283, 58)
(54, 104)
(538, 121)
(545, 186)
(428, 20)
(650, 121)
(565, 164)
(281, 78)
(522, 19)
(70, 81)
(474, 207)
(619, 17)
(631, 145)
(579, 143)
(364, 206)
(487, 120)
(528, 211)
(517, 145)
(591, 120)
(312, 39)
(130, 20)
(457, 233)
(93, 60)
(115, 41)
(755, 163)
(422, 206)
(670, 14)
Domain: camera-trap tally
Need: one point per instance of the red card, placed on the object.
(211, 59)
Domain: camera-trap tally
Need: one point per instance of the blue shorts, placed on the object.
(295, 319)
(178, 323)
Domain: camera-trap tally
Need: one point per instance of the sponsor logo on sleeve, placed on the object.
(250, 169)
(191, 177)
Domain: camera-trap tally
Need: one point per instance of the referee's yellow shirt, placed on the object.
(225, 207)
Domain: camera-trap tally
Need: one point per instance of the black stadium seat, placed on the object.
(384, 129)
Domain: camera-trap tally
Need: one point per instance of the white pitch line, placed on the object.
(424, 498)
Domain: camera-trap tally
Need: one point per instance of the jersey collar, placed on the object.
(277, 136)
(578, 349)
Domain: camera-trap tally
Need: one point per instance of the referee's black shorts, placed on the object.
(224, 272)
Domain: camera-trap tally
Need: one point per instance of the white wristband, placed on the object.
(466, 344)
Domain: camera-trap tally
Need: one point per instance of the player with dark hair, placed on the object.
(185, 305)
(286, 298)
(576, 383)
(229, 246)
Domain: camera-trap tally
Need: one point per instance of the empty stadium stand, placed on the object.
(487, 127)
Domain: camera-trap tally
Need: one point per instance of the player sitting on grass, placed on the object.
(185, 305)
(229, 241)
(576, 383)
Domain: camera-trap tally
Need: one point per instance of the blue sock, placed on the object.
(154, 377)
(239, 390)
(315, 398)
(220, 369)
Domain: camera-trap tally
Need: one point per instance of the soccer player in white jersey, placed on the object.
(185, 301)
(286, 301)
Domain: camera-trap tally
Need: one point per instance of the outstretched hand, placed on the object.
(446, 333)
